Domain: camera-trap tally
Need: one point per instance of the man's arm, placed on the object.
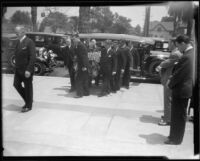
(180, 72)
(32, 56)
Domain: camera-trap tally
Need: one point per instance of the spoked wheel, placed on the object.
(39, 68)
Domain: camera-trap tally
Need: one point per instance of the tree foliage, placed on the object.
(55, 20)
(103, 20)
(182, 12)
(138, 29)
(21, 18)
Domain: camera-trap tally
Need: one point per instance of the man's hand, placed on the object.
(113, 73)
(122, 71)
(27, 74)
(158, 68)
(131, 69)
(84, 69)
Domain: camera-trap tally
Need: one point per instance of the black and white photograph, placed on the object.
(100, 80)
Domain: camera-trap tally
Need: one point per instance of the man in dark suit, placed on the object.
(68, 56)
(82, 75)
(135, 55)
(121, 63)
(181, 84)
(107, 67)
(128, 65)
(24, 58)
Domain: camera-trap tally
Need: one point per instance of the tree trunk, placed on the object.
(84, 17)
(34, 18)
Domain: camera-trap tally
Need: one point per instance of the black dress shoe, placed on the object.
(163, 123)
(78, 96)
(26, 109)
(170, 142)
(71, 90)
(102, 94)
(87, 94)
(127, 87)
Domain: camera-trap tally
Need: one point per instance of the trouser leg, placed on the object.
(79, 84)
(72, 77)
(178, 119)
(28, 84)
(167, 104)
(85, 83)
(18, 85)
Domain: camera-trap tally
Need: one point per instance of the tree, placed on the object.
(121, 25)
(84, 17)
(101, 19)
(21, 18)
(138, 29)
(55, 20)
(74, 22)
(182, 12)
(34, 17)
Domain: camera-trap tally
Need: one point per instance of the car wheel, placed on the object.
(152, 68)
(39, 68)
(12, 60)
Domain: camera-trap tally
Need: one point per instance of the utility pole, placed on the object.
(147, 19)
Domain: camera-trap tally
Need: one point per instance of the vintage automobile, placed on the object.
(46, 60)
(152, 52)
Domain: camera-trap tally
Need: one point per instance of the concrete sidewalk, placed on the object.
(121, 124)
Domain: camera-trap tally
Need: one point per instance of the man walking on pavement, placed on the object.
(165, 70)
(82, 75)
(181, 84)
(68, 56)
(24, 67)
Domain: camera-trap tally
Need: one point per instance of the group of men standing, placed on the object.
(116, 62)
(115, 65)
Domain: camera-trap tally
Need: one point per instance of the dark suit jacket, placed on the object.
(126, 57)
(25, 55)
(136, 58)
(167, 65)
(108, 61)
(181, 81)
(82, 56)
(68, 56)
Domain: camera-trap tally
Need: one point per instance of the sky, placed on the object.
(135, 13)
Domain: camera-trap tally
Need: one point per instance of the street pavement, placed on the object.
(121, 124)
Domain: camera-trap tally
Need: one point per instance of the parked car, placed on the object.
(42, 40)
(152, 51)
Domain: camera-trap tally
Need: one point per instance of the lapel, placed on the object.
(23, 43)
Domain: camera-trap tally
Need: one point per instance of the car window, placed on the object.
(39, 38)
(12, 43)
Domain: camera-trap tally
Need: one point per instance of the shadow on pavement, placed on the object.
(94, 90)
(159, 111)
(12, 107)
(154, 138)
(149, 119)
